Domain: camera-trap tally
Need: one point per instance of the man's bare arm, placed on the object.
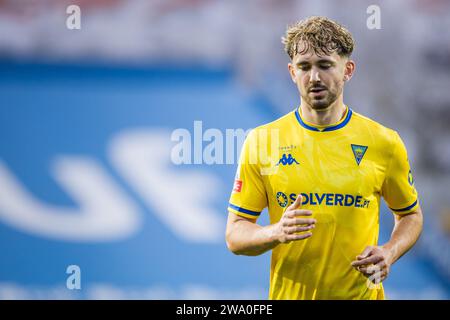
(406, 232)
(375, 261)
(245, 237)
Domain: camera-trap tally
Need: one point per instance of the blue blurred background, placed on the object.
(87, 118)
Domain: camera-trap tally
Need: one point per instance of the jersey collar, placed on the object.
(335, 126)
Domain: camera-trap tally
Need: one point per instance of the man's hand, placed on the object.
(286, 230)
(374, 263)
(245, 237)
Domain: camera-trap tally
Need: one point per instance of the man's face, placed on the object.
(320, 79)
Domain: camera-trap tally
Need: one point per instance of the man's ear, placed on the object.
(349, 70)
(292, 72)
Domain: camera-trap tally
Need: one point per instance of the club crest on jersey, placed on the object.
(287, 160)
(358, 152)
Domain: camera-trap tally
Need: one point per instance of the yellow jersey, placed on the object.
(341, 170)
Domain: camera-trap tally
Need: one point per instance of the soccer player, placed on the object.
(321, 171)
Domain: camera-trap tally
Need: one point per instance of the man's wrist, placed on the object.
(390, 249)
(273, 236)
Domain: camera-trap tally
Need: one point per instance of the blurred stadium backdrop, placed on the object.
(87, 116)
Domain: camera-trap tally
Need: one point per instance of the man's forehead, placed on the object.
(311, 56)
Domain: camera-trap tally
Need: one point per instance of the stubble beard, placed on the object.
(323, 103)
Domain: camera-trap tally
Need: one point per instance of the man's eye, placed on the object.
(304, 68)
(325, 66)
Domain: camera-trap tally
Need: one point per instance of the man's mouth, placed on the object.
(317, 89)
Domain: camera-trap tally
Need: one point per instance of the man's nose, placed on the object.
(314, 76)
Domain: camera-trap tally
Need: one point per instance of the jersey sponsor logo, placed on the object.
(328, 199)
(410, 178)
(282, 199)
(237, 187)
(358, 152)
(287, 160)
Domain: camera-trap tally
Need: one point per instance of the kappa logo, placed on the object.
(287, 160)
(359, 152)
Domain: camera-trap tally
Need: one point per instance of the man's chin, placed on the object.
(320, 104)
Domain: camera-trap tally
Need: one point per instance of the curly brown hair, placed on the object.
(324, 36)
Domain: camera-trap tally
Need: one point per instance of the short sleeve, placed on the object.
(398, 187)
(248, 197)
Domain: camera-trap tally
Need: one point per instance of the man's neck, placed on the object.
(324, 117)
